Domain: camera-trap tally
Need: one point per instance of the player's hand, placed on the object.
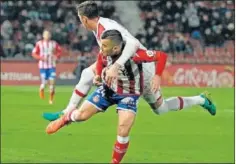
(112, 73)
(45, 59)
(155, 83)
(97, 80)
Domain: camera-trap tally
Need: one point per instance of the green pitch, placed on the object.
(191, 135)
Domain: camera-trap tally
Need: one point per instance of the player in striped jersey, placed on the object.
(88, 14)
(47, 52)
(125, 94)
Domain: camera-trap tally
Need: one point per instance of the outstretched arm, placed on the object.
(159, 57)
(153, 56)
(99, 67)
(58, 53)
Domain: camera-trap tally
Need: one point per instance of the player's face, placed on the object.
(46, 35)
(108, 48)
(85, 22)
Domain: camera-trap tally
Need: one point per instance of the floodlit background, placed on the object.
(199, 37)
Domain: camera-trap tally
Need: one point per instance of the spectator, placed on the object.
(209, 24)
(22, 23)
(6, 30)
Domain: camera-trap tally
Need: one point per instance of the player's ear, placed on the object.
(85, 19)
(115, 48)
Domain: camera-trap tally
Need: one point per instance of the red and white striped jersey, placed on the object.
(129, 80)
(47, 50)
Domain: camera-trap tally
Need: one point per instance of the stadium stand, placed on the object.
(192, 32)
(22, 23)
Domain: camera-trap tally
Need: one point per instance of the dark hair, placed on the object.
(114, 35)
(88, 9)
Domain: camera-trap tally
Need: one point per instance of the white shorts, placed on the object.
(148, 73)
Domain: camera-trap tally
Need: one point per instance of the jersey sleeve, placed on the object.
(36, 49)
(58, 50)
(152, 56)
(131, 46)
(99, 65)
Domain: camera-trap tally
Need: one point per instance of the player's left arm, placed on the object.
(99, 68)
(58, 51)
(130, 48)
(159, 57)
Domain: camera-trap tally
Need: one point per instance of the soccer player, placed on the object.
(47, 52)
(125, 96)
(88, 14)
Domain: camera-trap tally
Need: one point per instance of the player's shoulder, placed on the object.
(39, 42)
(107, 23)
(53, 41)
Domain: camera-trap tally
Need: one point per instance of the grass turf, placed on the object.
(191, 135)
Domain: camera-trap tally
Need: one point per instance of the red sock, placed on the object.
(119, 151)
(181, 103)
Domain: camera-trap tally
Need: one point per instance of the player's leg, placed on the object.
(126, 115)
(43, 77)
(161, 105)
(95, 103)
(80, 91)
(82, 88)
(86, 111)
(52, 78)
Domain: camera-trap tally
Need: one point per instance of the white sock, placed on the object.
(42, 86)
(72, 116)
(81, 89)
(123, 140)
(179, 103)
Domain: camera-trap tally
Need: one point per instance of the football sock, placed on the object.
(120, 149)
(81, 89)
(42, 86)
(179, 103)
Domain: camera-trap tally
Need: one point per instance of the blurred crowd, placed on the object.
(176, 26)
(169, 25)
(22, 24)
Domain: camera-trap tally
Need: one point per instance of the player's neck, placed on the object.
(94, 24)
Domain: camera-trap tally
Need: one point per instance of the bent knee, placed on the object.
(82, 116)
(123, 130)
(87, 71)
(156, 106)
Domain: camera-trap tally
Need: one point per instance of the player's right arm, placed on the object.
(99, 68)
(36, 52)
